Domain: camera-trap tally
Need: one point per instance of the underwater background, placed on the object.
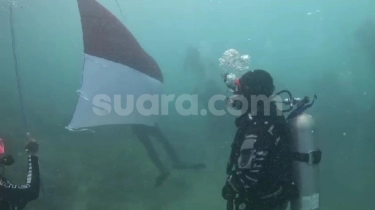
(323, 47)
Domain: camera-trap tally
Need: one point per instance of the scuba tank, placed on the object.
(306, 155)
(306, 162)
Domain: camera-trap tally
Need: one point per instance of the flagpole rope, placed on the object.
(118, 5)
(19, 87)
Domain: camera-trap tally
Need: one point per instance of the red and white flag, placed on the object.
(114, 64)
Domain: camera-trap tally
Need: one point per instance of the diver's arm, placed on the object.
(27, 192)
(246, 179)
(250, 177)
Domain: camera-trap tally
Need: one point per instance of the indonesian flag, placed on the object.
(114, 64)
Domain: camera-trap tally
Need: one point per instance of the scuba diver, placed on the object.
(16, 197)
(261, 164)
(144, 133)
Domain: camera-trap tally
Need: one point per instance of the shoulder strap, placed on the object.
(236, 145)
(258, 126)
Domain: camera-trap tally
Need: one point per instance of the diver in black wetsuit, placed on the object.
(16, 197)
(144, 132)
(260, 165)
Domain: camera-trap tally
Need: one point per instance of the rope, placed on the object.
(16, 66)
(118, 5)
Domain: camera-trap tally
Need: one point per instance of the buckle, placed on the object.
(311, 158)
(314, 157)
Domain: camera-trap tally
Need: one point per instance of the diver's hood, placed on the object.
(6, 160)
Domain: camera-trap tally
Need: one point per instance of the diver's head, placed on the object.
(253, 84)
(256, 83)
(5, 160)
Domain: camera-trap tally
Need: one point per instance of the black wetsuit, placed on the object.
(15, 197)
(260, 165)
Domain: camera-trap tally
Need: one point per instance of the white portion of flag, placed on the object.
(101, 76)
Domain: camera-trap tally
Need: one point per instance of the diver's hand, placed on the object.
(32, 147)
(228, 192)
(232, 187)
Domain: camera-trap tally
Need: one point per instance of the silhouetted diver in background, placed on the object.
(193, 60)
(144, 133)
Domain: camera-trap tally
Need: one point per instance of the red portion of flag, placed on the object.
(106, 37)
